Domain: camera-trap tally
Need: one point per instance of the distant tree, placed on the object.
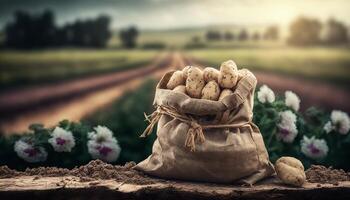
(243, 35)
(336, 32)
(271, 33)
(37, 31)
(31, 31)
(128, 37)
(229, 35)
(304, 31)
(256, 36)
(213, 35)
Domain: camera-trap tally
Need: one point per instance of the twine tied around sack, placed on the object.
(195, 132)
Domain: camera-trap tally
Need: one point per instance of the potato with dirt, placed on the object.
(211, 91)
(194, 82)
(175, 80)
(290, 170)
(180, 88)
(185, 71)
(210, 74)
(228, 74)
(224, 93)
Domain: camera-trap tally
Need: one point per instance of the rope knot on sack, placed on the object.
(195, 132)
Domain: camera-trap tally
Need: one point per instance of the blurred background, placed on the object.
(98, 61)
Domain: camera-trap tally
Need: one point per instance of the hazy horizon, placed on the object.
(173, 14)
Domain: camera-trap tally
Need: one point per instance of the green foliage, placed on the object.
(311, 123)
(19, 68)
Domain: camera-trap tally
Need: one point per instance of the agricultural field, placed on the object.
(43, 66)
(324, 64)
(181, 37)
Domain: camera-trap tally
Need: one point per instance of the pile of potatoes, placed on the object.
(210, 84)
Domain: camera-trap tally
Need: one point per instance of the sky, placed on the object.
(166, 14)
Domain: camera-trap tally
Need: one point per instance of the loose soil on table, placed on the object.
(322, 174)
(97, 169)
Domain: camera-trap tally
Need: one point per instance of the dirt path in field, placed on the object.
(76, 99)
(312, 93)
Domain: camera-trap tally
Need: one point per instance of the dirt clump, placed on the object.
(95, 169)
(322, 174)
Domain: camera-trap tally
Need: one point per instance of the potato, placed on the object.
(228, 74)
(211, 91)
(180, 88)
(176, 79)
(185, 71)
(194, 82)
(224, 93)
(210, 74)
(290, 170)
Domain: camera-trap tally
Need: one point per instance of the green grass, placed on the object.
(33, 67)
(325, 64)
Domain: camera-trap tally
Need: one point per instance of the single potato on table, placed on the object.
(290, 170)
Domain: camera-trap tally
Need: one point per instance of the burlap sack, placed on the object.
(202, 140)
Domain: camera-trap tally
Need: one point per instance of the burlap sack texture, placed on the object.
(203, 140)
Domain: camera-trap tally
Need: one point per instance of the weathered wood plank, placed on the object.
(68, 187)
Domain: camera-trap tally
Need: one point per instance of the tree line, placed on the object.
(271, 33)
(302, 32)
(308, 31)
(40, 30)
(29, 31)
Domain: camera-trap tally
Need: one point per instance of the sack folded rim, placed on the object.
(186, 104)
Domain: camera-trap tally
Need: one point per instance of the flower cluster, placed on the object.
(292, 100)
(62, 140)
(265, 94)
(312, 143)
(101, 145)
(26, 150)
(314, 148)
(339, 122)
(287, 127)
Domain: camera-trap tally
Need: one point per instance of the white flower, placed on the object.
(328, 127)
(106, 151)
(287, 117)
(102, 145)
(340, 121)
(101, 134)
(265, 94)
(292, 100)
(314, 148)
(62, 140)
(287, 132)
(287, 129)
(29, 153)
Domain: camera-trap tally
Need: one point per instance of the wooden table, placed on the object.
(68, 187)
